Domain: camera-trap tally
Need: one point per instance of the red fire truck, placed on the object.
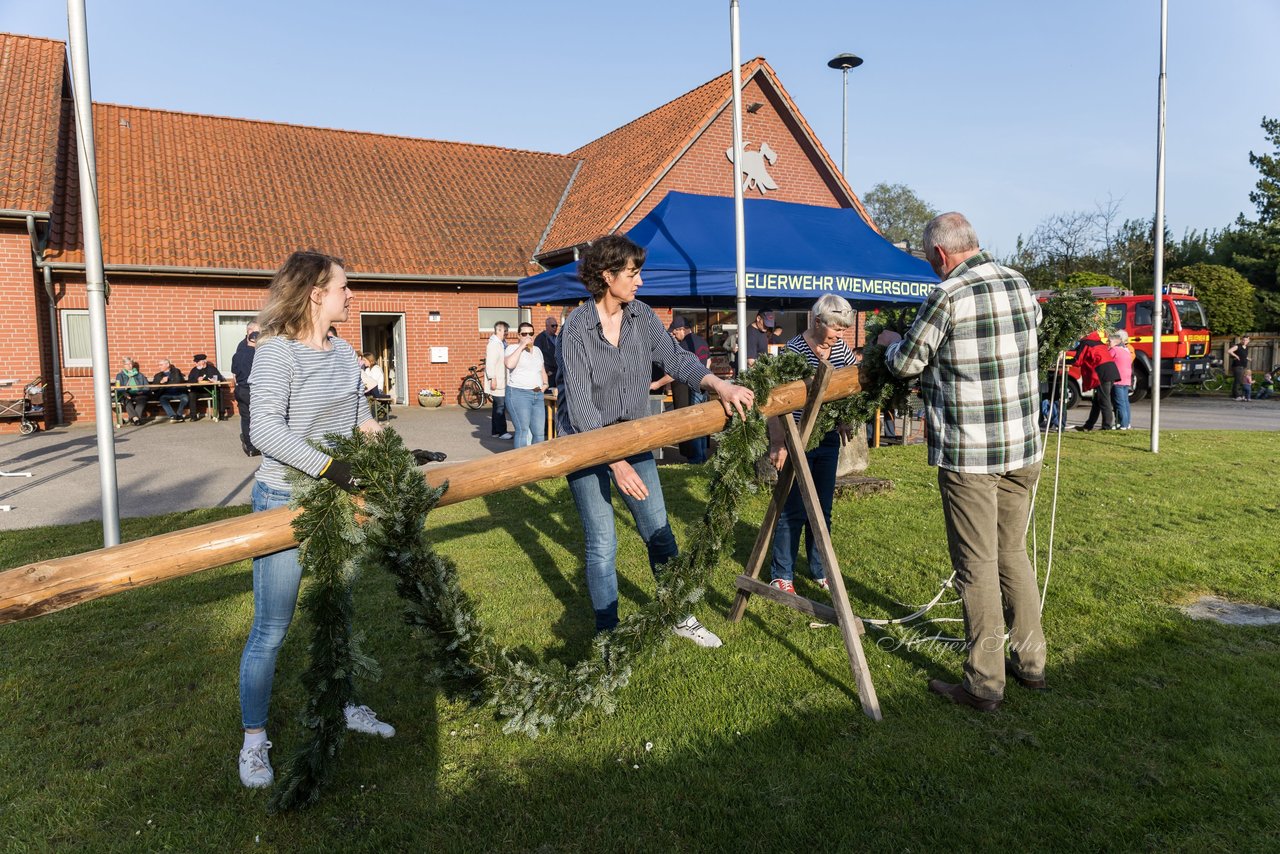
(1184, 342)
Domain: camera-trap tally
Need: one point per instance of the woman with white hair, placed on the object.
(1122, 355)
(822, 341)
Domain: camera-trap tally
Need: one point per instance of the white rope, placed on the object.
(1030, 527)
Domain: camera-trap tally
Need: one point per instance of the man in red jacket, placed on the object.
(1097, 372)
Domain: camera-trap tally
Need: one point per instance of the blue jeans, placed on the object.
(275, 593)
(1120, 396)
(698, 445)
(167, 401)
(823, 461)
(592, 493)
(1049, 413)
(529, 415)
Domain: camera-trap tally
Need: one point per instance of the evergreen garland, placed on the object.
(1069, 314)
(531, 697)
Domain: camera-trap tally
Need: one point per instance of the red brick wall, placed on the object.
(21, 316)
(153, 318)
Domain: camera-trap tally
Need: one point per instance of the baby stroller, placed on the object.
(28, 409)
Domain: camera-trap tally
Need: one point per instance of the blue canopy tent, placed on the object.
(794, 254)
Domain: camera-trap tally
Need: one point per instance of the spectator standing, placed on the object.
(495, 379)
(1097, 373)
(526, 378)
(695, 450)
(203, 371)
(305, 385)
(1239, 355)
(974, 345)
(759, 336)
(546, 342)
(822, 341)
(241, 367)
(1122, 355)
(132, 388)
(170, 375)
(607, 348)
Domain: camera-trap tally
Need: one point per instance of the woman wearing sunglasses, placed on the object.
(526, 379)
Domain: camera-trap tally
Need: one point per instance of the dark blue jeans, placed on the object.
(499, 415)
(823, 461)
(592, 490)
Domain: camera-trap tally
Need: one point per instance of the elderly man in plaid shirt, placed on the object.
(974, 346)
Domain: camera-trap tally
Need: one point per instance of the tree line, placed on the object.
(1235, 269)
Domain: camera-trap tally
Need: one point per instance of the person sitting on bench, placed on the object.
(168, 375)
(204, 372)
(132, 391)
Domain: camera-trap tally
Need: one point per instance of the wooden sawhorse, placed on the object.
(796, 470)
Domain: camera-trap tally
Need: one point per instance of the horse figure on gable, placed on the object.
(754, 169)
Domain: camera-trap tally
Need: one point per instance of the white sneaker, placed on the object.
(255, 767)
(507, 436)
(690, 628)
(362, 719)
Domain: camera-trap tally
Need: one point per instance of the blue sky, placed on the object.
(1008, 111)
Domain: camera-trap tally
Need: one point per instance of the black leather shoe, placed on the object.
(958, 694)
(1029, 684)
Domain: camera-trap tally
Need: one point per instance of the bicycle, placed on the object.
(471, 393)
(1216, 379)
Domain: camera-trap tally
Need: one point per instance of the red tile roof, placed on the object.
(623, 166)
(182, 190)
(192, 191)
(31, 74)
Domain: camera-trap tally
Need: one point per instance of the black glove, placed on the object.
(339, 473)
(423, 457)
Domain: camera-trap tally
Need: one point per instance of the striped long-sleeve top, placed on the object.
(296, 394)
(840, 357)
(600, 384)
(974, 345)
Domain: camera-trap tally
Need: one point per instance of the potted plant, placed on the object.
(430, 397)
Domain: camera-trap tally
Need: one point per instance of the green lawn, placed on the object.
(120, 717)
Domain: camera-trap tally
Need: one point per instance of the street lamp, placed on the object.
(844, 62)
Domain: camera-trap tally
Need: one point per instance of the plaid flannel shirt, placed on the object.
(975, 347)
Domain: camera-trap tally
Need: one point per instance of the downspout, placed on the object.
(37, 251)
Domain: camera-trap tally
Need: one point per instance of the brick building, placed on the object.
(197, 211)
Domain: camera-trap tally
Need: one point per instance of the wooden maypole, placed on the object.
(51, 585)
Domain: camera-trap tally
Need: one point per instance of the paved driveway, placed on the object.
(163, 467)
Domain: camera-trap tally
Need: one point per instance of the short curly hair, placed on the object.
(612, 253)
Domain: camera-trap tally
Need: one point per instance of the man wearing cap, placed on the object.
(695, 450)
(758, 336)
(203, 372)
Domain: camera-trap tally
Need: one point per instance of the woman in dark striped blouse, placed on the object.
(304, 385)
(607, 348)
(832, 315)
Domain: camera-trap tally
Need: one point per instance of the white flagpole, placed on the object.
(95, 278)
(739, 221)
(1157, 316)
